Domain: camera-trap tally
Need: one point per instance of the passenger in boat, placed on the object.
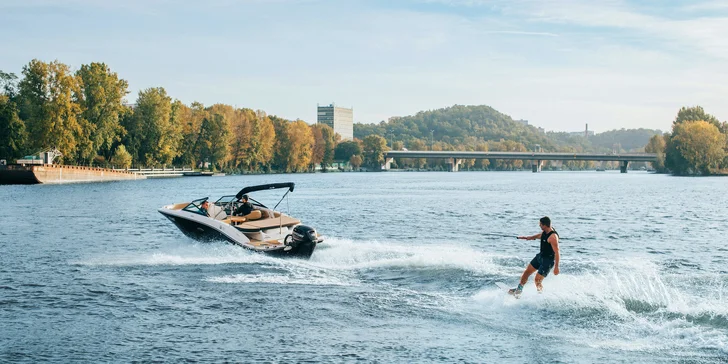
(245, 207)
(204, 208)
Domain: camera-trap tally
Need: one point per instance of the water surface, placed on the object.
(93, 272)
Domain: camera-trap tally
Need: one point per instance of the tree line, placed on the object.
(83, 114)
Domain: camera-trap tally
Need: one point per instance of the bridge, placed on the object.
(456, 157)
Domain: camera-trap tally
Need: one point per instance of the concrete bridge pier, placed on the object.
(536, 166)
(455, 164)
(387, 163)
(623, 166)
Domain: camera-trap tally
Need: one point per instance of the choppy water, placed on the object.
(93, 273)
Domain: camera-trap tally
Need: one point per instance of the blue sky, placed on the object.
(559, 63)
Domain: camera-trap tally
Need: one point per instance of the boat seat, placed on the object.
(253, 215)
(217, 212)
(263, 224)
(235, 220)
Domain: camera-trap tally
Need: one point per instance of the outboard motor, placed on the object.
(302, 241)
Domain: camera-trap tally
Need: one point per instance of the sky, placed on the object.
(557, 63)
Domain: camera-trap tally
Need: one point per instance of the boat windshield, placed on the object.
(227, 203)
(195, 206)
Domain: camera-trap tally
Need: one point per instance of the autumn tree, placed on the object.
(355, 162)
(324, 144)
(701, 147)
(266, 136)
(317, 154)
(301, 142)
(657, 145)
(417, 145)
(241, 133)
(482, 163)
(695, 113)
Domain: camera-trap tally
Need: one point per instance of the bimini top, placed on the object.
(272, 186)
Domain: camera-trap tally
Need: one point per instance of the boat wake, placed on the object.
(348, 255)
(293, 279)
(192, 254)
(626, 305)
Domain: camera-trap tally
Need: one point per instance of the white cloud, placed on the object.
(558, 65)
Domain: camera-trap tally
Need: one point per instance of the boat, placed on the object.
(264, 230)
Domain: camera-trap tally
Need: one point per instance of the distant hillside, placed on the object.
(622, 139)
(456, 126)
(461, 127)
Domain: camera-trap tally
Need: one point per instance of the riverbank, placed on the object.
(58, 174)
(19, 174)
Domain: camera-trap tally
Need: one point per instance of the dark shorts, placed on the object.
(542, 264)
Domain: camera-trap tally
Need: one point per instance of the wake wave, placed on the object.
(281, 279)
(627, 305)
(197, 254)
(344, 254)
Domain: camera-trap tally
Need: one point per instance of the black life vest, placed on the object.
(546, 249)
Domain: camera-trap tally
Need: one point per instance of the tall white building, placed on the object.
(340, 119)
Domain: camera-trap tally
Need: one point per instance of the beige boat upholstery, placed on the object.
(259, 244)
(217, 212)
(179, 206)
(235, 220)
(269, 223)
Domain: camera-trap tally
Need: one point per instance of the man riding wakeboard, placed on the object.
(547, 258)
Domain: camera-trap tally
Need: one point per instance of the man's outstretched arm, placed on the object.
(532, 237)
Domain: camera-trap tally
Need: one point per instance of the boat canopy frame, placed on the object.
(270, 186)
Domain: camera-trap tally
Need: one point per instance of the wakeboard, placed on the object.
(505, 287)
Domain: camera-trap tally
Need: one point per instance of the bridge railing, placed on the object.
(629, 157)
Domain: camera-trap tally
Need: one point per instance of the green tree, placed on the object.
(282, 144)
(13, 136)
(346, 149)
(154, 131)
(695, 113)
(100, 98)
(700, 145)
(212, 142)
(47, 103)
(121, 157)
(373, 148)
(190, 121)
(329, 138)
(657, 145)
(8, 84)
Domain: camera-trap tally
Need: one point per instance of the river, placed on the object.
(93, 273)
